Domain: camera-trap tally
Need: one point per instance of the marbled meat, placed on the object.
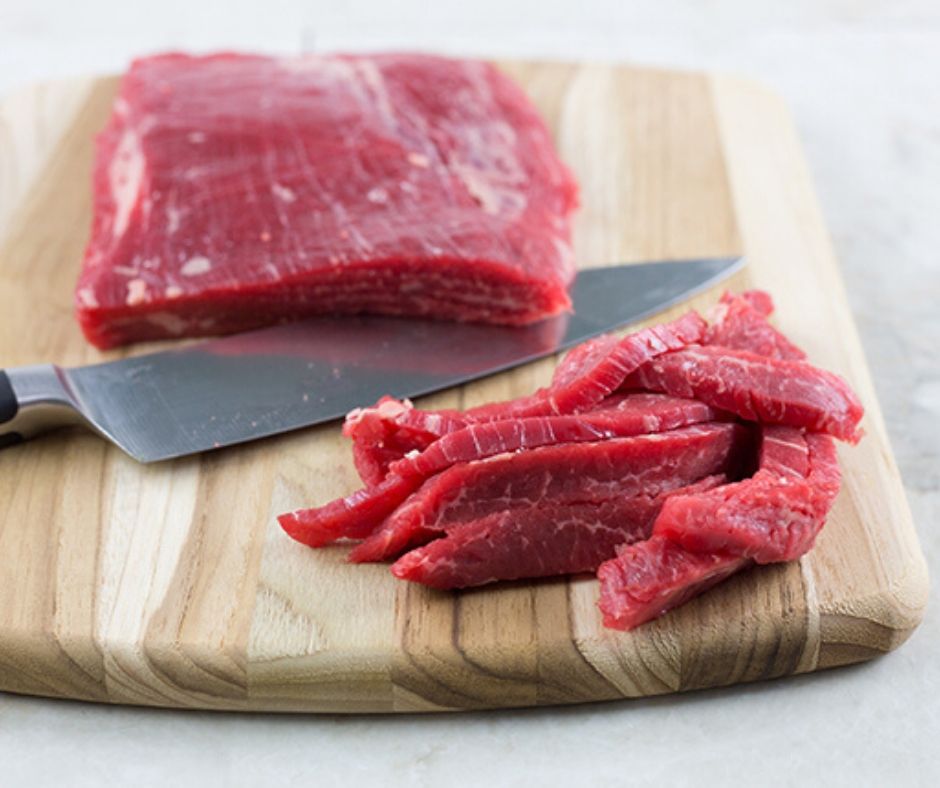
(775, 515)
(235, 191)
(667, 460)
(538, 541)
(701, 538)
(756, 388)
(565, 473)
(589, 373)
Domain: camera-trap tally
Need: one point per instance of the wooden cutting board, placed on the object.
(172, 585)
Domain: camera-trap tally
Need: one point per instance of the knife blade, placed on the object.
(248, 386)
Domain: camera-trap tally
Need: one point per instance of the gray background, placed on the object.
(863, 80)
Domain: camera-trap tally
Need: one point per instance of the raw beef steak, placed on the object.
(234, 191)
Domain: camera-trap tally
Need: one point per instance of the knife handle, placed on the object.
(8, 410)
(33, 400)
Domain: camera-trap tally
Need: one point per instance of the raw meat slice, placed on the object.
(738, 324)
(536, 542)
(756, 388)
(384, 433)
(553, 475)
(759, 300)
(233, 191)
(784, 451)
(701, 538)
(358, 514)
(617, 417)
(596, 368)
(584, 378)
(651, 577)
(773, 516)
(353, 517)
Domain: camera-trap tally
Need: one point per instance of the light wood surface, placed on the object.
(172, 585)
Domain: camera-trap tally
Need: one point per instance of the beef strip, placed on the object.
(740, 325)
(773, 516)
(587, 375)
(557, 474)
(654, 576)
(535, 542)
(702, 538)
(617, 416)
(756, 388)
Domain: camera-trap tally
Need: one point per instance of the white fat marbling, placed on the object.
(196, 266)
(124, 177)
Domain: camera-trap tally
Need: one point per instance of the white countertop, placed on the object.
(863, 80)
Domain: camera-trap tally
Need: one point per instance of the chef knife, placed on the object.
(248, 386)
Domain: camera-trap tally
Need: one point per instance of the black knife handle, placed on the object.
(9, 407)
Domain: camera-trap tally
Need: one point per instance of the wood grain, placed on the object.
(172, 585)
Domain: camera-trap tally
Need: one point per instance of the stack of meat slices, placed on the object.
(665, 460)
(236, 191)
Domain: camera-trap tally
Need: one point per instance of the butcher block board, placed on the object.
(172, 585)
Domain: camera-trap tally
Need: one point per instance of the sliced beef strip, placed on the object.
(654, 576)
(617, 416)
(740, 325)
(353, 517)
(773, 516)
(594, 369)
(357, 515)
(766, 390)
(702, 538)
(557, 474)
(536, 542)
(587, 375)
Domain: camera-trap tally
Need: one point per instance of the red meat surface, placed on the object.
(552, 475)
(703, 537)
(535, 542)
(234, 191)
(652, 577)
(738, 324)
(759, 300)
(773, 516)
(634, 461)
(616, 417)
(756, 388)
(358, 514)
(390, 429)
(386, 432)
